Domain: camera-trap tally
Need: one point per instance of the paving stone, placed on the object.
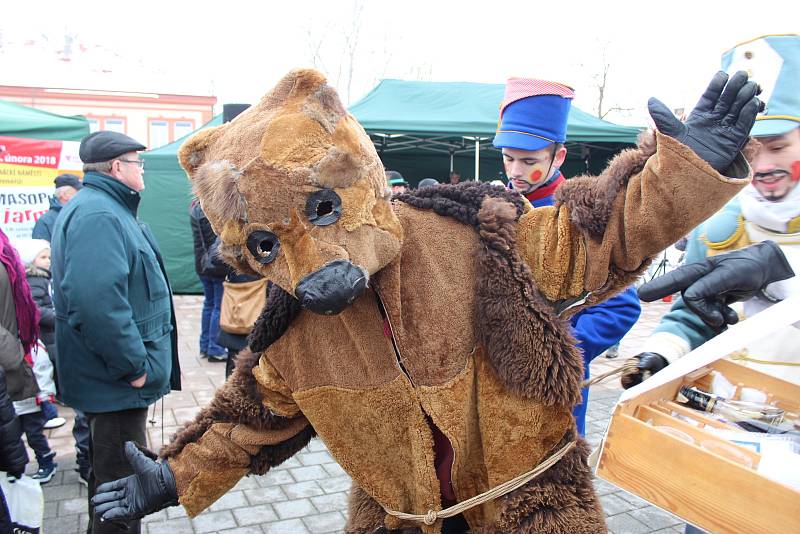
(265, 495)
(604, 487)
(613, 504)
(161, 515)
(50, 508)
(330, 503)
(232, 499)
(291, 462)
(63, 524)
(315, 458)
(298, 490)
(72, 506)
(329, 522)
(316, 445)
(61, 492)
(314, 472)
(294, 508)
(636, 501)
(255, 514)
(242, 530)
(625, 524)
(244, 483)
(334, 469)
(333, 485)
(292, 526)
(655, 518)
(182, 525)
(213, 521)
(273, 478)
(174, 512)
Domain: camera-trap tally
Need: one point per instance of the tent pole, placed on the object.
(477, 159)
(452, 152)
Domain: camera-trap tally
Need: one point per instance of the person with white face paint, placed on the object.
(766, 210)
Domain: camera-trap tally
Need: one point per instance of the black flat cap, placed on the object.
(105, 146)
(68, 179)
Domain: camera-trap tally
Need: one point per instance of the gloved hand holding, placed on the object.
(710, 286)
(648, 363)
(148, 490)
(719, 125)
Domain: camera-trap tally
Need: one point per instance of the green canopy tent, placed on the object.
(21, 121)
(426, 129)
(165, 208)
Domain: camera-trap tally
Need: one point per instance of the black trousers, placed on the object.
(33, 426)
(108, 434)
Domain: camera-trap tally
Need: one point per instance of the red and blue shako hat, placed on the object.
(533, 114)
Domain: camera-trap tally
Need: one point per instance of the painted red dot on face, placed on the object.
(536, 175)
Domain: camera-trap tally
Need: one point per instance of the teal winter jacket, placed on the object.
(114, 315)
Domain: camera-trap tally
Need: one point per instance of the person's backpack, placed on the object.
(242, 303)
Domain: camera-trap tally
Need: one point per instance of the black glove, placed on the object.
(719, 125)
(709, 286)
(148, 490)
(648, 364)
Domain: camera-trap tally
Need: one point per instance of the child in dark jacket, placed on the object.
(35, 254)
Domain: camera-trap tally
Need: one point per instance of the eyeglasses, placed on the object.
(138, 162)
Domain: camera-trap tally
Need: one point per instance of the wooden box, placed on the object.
(715, 491)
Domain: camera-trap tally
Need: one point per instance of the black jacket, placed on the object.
(205, 261)
(13, 456)
(39, 280)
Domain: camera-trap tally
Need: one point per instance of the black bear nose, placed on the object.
(329, 290)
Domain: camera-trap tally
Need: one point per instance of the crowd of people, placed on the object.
(111, 358)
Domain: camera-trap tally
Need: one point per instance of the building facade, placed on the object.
(154, 119)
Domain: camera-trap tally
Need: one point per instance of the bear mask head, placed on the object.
(296, 192)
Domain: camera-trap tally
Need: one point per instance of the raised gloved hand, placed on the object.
(648, 363)
(149, 489)
(710, 286)
(720, 124)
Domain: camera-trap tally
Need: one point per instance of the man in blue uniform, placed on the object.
(531, 135)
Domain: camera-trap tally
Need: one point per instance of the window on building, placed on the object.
(159, 133)
(115, 125)
(181, 128)
(94, 125)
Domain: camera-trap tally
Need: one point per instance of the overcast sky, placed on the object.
(237, 50)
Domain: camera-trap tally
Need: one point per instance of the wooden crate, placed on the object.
(715, 492)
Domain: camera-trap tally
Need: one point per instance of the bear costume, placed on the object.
(423, 338)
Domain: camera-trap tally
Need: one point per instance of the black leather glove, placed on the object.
(709, 286)
(148, 490)
(647, 365)
(719, 125)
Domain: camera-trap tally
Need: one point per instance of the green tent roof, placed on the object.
(165, 207)
(462, 109)
(21, 121)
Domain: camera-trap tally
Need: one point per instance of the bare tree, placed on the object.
(601, 82)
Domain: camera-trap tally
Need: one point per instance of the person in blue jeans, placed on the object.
(211, 271)
(531, 136)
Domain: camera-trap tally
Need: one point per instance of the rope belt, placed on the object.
(498, 491)
(629, 368)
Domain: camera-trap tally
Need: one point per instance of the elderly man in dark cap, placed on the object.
(66, 187)
(115, 323)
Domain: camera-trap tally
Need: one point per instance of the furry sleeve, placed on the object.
(250, 425)
(604, 230)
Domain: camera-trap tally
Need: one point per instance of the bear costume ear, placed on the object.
(192, 152)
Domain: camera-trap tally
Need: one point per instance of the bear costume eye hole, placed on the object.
(263, 246)
(323, 207)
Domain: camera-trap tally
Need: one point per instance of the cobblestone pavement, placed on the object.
(308, 493)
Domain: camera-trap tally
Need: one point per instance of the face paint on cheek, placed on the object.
(535, 175)
(796, 171)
